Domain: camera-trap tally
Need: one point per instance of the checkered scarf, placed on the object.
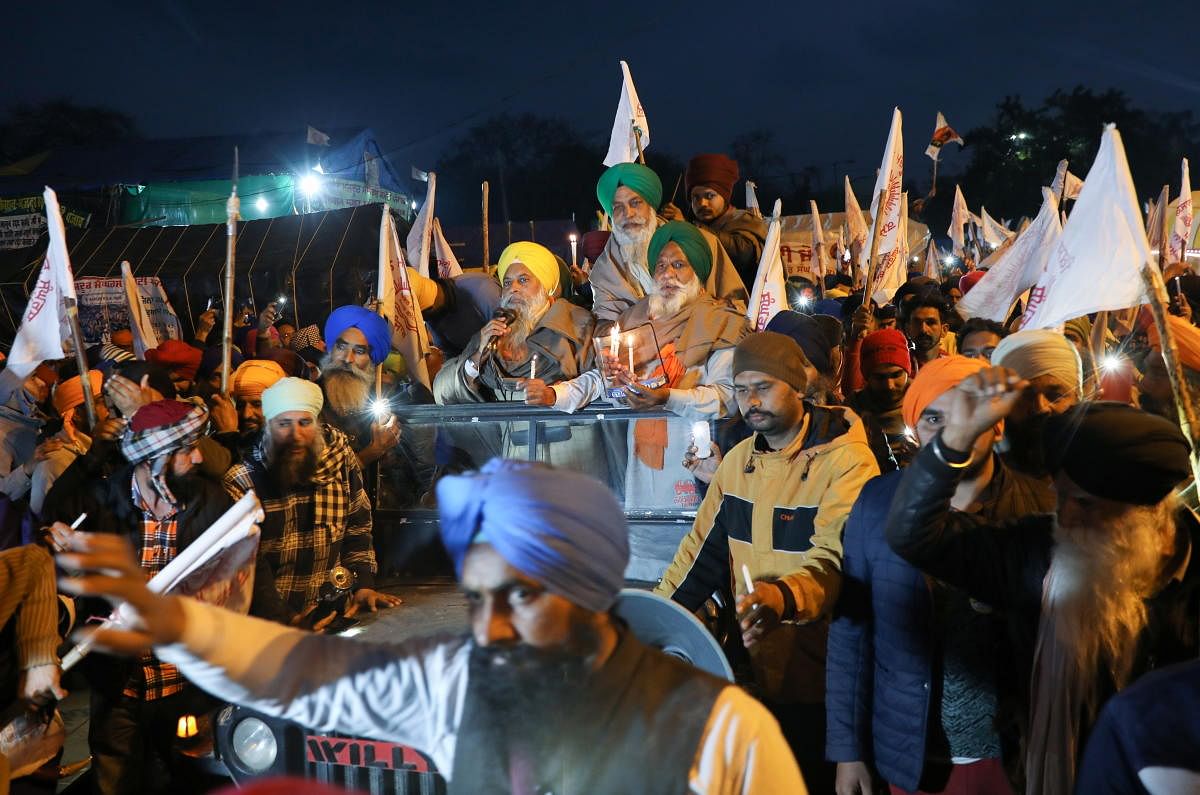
(156, 445)
(307, 337)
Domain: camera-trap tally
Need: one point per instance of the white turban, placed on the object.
(1037, 352)
(292, 394)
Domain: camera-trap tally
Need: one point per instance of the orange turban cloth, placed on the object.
(1187, 341)
(253, 376)
(68, 396)
(934, 380)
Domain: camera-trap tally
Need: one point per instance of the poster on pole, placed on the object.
(102, 308)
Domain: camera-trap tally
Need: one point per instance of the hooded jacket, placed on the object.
(781, 513)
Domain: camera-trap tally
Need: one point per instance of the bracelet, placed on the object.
(941, 454)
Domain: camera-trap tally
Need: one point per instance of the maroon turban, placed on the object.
(592, 245)
(714, 171)
(969, 280)
(177, 356)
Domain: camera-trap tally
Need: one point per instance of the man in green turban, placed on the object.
(630, 193)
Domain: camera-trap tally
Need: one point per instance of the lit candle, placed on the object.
(533, 368)
(701, 439)
(614, 341)
(629, 343)
(574, 250)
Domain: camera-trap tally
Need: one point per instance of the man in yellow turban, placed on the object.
(533, 335)
(621, 276)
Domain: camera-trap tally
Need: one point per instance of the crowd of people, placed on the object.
(943, 554)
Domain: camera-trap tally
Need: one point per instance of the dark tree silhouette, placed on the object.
(29, 129)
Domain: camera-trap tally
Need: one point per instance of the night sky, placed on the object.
(823, 76)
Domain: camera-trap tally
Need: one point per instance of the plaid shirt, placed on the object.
(152, 679)
(313, 527)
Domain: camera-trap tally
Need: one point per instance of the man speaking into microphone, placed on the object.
(532, 337)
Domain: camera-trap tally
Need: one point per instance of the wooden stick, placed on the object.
(637, 137)
(933, 185)
(1164, 201)
(487, 260)
(232, 208)
(1156, 291)
(875, 224)
(89, 400)
(1096, 344)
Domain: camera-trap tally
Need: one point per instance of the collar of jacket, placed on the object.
(824, 428)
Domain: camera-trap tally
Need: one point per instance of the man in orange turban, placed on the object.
(58, 452)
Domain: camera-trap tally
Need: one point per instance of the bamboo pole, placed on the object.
(1156, 292)
(637, 137)
(232, 212)
(89, 400)
(487, 260)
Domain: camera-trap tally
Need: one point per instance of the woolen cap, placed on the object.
(776, 355)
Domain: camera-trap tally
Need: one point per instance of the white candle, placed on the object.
(629, 344)
(701, 439)
(533, 368)
(614, 340)
(574, 250)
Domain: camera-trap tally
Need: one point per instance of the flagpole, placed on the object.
(232, 213)
(1062, 193)
(1164, 201)
(933, 187)
(89, 400)
(874, 247)
(819, 248)
(637, 137)
(1156, 292)
(486, 254)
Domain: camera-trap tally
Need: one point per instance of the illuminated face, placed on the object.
(630, 211)
(508, 607)
(293, 431)
(925, 327)
(768, 405)
(672, 272)
(521, 287)
(250, 414)
(351, 349)
(979, 345)
(707, 204)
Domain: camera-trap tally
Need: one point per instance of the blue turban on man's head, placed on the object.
(373, 327)
(564, 529)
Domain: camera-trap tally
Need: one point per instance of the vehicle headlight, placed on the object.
(254, 744)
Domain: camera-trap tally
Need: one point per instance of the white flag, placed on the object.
(623, 144)
(1154, 223)
(888, 283)
(889, 182)
(1098, 260)
(144, 338)
(420, 236)
(933, 264)
(857, 225)
(752, 199)
(418, 174)
(994, 232)
(769, 295)
(316, 137)
(44, 325)
(397, 303)
(959, 217)
(1018, 267)
(1065, 180)
(819, 252)
(447, 263)
(1182, 233)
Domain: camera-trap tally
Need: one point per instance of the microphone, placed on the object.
(501, 313)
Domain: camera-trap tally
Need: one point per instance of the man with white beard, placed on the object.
(356, 341)
(620, 277)
(555, 334)
(1098, 593)
(696, 335)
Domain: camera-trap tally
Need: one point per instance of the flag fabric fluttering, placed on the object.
(1097, 262)
(905, 252)
(399, 305)
(856, 223)
(943, 134)
(420, 236)
(1181, 234)
(144, 338)
(44, 325)
(623, 143)
(889, 270)
(960, 216)
(819, 252)
(752, 199)
(418, 174)
(933, 263)
(1017, 268)
(1066, 185)
(447, 263)
(769, 295)
(994, 232)
(1154, 223)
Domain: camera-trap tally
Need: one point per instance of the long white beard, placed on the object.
(528, 316)
(634, 245)
(661, 307)
(346, 389)
(1093, 612)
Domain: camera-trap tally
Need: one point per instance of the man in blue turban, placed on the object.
(548, 692)
(356, 341)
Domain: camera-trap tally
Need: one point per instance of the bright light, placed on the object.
(1021, 136)
(317, 168)
(805, 300)
(572, 237)
(947, 260)
(414, 204)
(1112, 363)
(916, 259)
(380, 409)
(310, 185)
(261, 205)
(846, 255)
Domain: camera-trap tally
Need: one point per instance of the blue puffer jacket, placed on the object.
(883, 639)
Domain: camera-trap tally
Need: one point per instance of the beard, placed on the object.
(185, 486)
(663, 307)
(529, 314)
(289, 468)
(347, 388)
(1096, 589)
(633, 241)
